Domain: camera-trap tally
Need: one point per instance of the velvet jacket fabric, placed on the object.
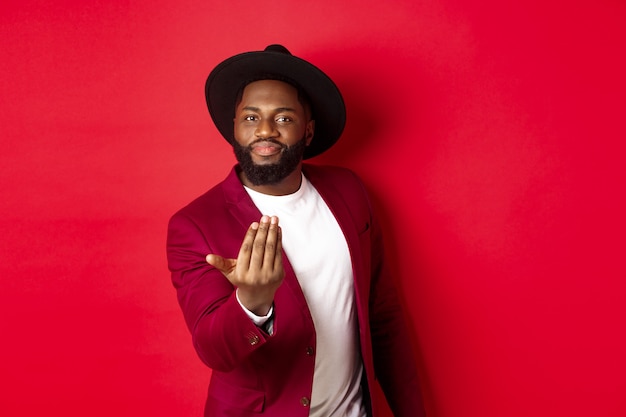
(254, 373)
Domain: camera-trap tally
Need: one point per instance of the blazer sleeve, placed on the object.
(223, 335)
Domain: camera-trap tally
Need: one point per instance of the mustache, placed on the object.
(272, 141)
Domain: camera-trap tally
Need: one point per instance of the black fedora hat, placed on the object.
(231, 75)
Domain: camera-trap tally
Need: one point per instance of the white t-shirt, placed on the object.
(319, 255)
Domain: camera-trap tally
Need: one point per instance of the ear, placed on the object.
(309, 132)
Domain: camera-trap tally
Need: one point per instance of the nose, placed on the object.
(266, 129)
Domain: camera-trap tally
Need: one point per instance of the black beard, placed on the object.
(270, 174)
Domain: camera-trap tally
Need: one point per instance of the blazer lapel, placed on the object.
(341, 210)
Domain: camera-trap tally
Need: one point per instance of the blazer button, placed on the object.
(310, 351)
(305, 401)
(253, 339)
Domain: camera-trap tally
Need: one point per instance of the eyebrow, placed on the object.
(278, 109)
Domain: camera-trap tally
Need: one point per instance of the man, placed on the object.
(279, 268)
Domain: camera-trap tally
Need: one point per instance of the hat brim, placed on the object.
(229, 76)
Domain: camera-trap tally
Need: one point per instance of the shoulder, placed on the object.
(324, 173)
(338, 183)
(209, 201)
(214, 202)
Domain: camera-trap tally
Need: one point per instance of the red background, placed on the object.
(491, 135)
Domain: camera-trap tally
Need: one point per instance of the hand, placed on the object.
(258, 270)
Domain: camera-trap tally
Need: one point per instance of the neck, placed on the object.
(287, 186)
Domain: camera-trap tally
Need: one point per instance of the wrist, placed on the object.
(258, 305)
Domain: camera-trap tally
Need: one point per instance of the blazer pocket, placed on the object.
(237, 397)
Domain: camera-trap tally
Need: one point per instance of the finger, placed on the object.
(258, 247)
(278, 259)
(245, 251)
(215, 260)
(271, 244)
(222, 264)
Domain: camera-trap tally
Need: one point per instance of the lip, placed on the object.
(266, 148)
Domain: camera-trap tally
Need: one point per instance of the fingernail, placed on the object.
(254, 225)
(265, 219)
(274, 220)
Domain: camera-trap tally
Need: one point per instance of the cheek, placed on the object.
(240, 134)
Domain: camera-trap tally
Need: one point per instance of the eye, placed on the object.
(250, 118)
(283, 119)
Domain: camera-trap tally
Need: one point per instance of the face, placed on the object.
(272, 129)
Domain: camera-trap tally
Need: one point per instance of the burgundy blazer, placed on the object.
(252, 372)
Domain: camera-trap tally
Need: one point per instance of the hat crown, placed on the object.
(277, 48)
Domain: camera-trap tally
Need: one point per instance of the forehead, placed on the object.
(263, 91)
